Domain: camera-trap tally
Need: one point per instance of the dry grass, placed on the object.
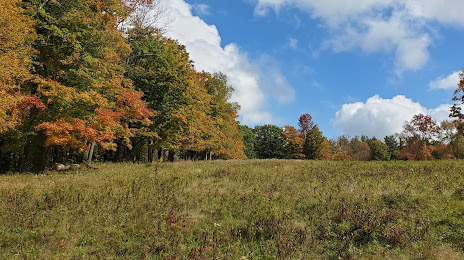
(444, 252)
(261, 209)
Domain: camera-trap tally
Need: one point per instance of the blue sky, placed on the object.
(357, 66)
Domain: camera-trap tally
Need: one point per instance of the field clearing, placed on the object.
(258, 209)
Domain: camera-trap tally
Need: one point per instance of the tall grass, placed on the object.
(258, 209)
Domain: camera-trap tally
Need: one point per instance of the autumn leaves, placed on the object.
(68, 78)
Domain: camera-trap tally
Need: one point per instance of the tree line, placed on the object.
(75, 86)
(421, 139)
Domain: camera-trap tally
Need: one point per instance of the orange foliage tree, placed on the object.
(294, 141)
(418, 134)
(80, 79)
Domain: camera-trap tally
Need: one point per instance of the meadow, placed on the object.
(254, 209)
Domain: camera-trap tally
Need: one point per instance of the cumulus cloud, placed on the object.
(382, 117)
(250, 79)
(398, 27)
(440, 113)
(449, 82)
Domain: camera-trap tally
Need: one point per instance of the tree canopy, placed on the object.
(72, 80)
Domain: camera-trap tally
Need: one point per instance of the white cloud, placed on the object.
(391, 26)
(203, 43)
(293, 43)
(440, 113)
(381, 117)
(388, 35)
(445, 11)
(449, 82)
(272, 82)
(201, 9)
(333, 12)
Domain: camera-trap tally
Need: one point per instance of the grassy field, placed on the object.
(268, 209)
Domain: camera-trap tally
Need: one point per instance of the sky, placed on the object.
(358, 67)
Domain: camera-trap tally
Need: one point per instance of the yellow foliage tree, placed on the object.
(16, 33)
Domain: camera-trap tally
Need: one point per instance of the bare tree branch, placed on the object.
(146, 14)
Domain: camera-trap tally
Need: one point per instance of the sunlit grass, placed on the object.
(260, 209)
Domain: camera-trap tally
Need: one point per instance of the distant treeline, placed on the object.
(421, 139)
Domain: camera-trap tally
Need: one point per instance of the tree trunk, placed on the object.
(118, 152)
(88, 154)
(92, 149)
(35, 155)
(25, 162)
(85, 154)
(151, 151)
(171, 156)
(160, 154)
(46, 158)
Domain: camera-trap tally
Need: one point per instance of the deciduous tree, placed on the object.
(223, 112)
(359, 150)
(294, 142)
(305, 122)
(79, 77)
(451, 136)
(269, 142)
(16, 34)
(341, 148)
(418, 134)
(456, 110)
(423, 127)
(248, 138)
(161, 68)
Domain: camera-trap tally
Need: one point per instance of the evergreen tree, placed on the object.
(393, 147)
(313, 144)
(379, 150)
